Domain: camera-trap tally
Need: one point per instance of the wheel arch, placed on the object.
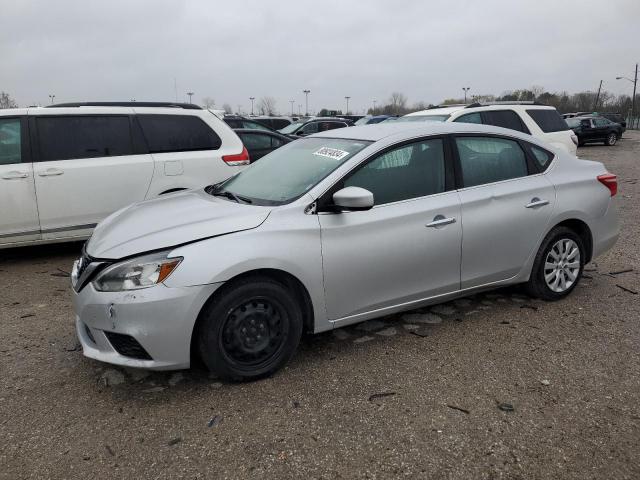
(581, 229)
(287, 279)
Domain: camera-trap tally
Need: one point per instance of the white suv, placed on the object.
(65, 168)
(540, 121)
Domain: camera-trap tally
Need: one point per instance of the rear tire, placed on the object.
(250, 329)
(611, 139)
(558, 265)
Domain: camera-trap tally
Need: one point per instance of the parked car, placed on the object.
(303, 128)
(372, 119)
(353, 118)
(616, 118)
(591, 129)
(540, 121)
(237, 121)
(259, 143)
(335, 229)
(274, 123)
(64, 169)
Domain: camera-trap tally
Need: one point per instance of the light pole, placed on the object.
(252, 99)
(466, 89)
(52, 97)
(347, 99)
(299, 110)
(374, 107)
(292, 102)
(633, 99)
(306, 108)
(190, 95)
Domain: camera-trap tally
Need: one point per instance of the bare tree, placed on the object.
(227, 108)
(208, 103)
(6, 101)
(267, 106)
(398, 102)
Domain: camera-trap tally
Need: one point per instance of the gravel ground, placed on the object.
(415, 396)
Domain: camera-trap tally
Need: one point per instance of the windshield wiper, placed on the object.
(231, 196)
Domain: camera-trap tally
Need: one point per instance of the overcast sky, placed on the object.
(231, 50)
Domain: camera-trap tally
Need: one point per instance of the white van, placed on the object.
(65, 168)
(538, 120)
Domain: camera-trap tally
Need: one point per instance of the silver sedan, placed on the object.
(331, 230)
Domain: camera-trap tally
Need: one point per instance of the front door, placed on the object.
(18, 209)
(86, 171)
(505, 208)
(407, 247)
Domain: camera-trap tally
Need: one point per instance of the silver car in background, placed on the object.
(331, 230)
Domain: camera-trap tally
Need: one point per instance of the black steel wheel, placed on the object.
(250, 329)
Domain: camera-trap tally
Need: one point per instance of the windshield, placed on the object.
(363, 120)
(572, 122)
(290, 128)
(288, 172)
(424, 118)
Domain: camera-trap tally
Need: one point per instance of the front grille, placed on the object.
(127, 346)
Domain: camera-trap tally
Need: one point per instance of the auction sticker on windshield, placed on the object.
(333, 153)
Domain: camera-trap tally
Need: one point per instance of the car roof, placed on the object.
(479, 107)
(409, 130)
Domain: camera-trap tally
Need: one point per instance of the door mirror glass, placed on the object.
(353, 199)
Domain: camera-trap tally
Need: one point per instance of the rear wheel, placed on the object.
(611, 139)
(557, 268)
(250, 330)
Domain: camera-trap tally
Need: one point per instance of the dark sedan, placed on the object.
(595, 129)
(319, 124)
(258, 142)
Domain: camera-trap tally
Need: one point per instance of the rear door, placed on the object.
(86, 169)
(506, 206)
(18, 209)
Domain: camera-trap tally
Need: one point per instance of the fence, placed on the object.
(633, 123)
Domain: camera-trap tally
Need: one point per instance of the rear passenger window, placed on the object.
(70, 137)
(255, 141)
(542, 157)
(505, 119)
(410, 171)
(10, 143)
(549, 120)
(487, 160)
(178, 133)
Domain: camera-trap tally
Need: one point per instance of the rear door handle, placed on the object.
(12, 175)
(536, 202)
(50, 172)
(439, 221)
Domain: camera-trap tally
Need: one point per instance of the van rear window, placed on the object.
(549, 120)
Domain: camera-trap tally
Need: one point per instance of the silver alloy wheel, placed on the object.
(612, 138)
(562, 265)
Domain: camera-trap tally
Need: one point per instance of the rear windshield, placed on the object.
(549, 120)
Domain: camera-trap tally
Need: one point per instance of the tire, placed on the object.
(250, 329)
(611, 139)
(565, 266)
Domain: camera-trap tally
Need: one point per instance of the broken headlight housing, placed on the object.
(136, 273)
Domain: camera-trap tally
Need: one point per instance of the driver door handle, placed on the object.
(536, 202)
(12, 175)
(50, 172)
(439, 221)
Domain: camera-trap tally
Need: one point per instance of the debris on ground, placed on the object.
(112, 377)
(506, 407)
(628, 290)
(618, 272)
(60, 273)
(28, 315)
(174, 441)
(463, 410)
(110, 450)
(545, 382)
(376, 396)
(215, 421)
(420, 333)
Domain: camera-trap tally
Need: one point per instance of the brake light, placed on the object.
(574, 139)
(610, 181)
(237, 159)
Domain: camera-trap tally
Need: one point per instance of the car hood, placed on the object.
(169, 221)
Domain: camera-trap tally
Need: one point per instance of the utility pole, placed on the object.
(252, 99)
(52, 97)
(347, 99)
(306, 94)
(633, 99)
(299, 110)
(292, 102)
(190, 95)
(595, 106)
(466, 89)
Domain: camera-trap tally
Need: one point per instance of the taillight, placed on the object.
(574, 139)
(610, 181)
(237, 159)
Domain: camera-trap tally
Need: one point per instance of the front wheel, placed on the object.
(557, 268)
(250, 330)
(611, 140)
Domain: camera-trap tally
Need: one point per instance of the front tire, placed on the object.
(250, 329)
(558, 265)
(611, 139)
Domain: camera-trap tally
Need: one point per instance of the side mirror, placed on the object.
(353, 199)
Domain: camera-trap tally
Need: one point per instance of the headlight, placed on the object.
(141, 272)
